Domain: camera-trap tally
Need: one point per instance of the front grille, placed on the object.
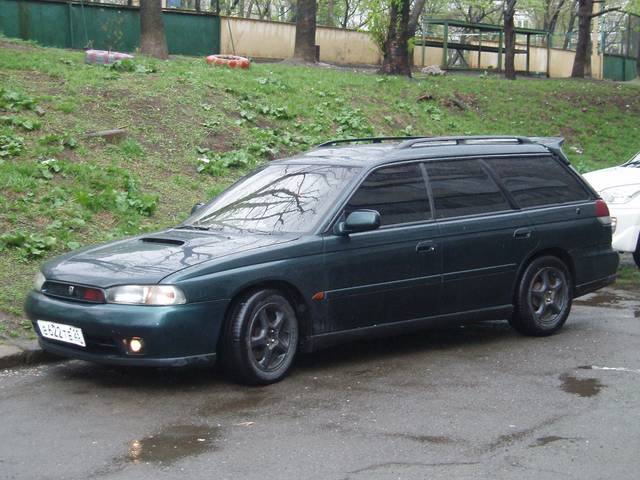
(74, 292)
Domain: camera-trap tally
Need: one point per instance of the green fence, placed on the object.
(617, 67)
(106, 27)
(620, 42)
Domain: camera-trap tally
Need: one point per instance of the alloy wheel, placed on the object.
(270, 336)
(548, 295)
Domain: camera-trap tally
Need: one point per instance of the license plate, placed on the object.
(61, 332)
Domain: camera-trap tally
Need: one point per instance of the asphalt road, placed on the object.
(473, 402)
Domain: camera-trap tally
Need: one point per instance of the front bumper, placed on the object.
(627, 221)
(174, 336)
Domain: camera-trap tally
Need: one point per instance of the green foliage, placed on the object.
(49, 167)
(218, 164)
(122, 196)
(32, 245)
(352, 122)
(130, 65)
(23, 123)
(12, 100)
(378, 21)
(10, 145)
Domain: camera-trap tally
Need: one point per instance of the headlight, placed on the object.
(146, 295)
(623, 194)
(38, 281)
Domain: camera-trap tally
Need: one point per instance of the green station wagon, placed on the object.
(353, 239)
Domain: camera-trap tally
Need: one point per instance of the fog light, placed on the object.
(134, 345)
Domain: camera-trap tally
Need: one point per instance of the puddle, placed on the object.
(173, 443)
(542, 441)
(602, 298)
(583, 387)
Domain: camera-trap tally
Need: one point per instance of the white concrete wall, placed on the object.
(275, 40)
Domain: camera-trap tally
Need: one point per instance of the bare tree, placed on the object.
(552, 11)
(152, 39)
(477, 11)
(509, 40)
(585, 15)
(571, 25)
(402, 27)
(305, 46)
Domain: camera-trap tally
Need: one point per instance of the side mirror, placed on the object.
(359, 221)
(196, 207)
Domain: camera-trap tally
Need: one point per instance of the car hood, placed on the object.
(150, 258)
(613, 177)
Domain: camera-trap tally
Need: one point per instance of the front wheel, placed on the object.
(544, 297)
(636, 254)
(261, 338)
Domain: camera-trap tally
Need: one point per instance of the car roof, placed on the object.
(383, 150)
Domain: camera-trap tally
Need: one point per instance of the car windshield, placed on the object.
(634, 162)
(280, 198)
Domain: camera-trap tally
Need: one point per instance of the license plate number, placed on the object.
(61, 332)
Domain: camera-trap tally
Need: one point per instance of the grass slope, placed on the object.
(192, 129)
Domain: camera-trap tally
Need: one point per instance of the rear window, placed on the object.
(398, 193)
(463, 187)
(538, 181)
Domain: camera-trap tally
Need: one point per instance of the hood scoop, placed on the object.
(163, 241)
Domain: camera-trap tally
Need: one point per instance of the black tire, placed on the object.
(543, 298)
(636, 255)
(260, 339)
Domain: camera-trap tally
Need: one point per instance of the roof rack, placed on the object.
(464, 140)
(332, 143)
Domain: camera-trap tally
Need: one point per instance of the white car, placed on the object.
(620, 188)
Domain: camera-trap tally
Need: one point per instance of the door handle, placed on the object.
(522, 233)
(426, 247)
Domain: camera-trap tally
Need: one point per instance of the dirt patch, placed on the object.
(20, 47)
(462, 101)
(567, 131)
(104, 219)
(222, 142)
(626, 102)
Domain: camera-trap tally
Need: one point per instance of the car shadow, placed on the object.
(400, 347)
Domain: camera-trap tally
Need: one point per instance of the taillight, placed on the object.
(602, 212)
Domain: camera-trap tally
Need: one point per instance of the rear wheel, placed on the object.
(544, 297)
(261, 338)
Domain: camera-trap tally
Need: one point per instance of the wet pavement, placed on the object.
(472, 402)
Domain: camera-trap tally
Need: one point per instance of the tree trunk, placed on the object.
(585, 7)
(396, 46)
(152, 38)
(305, 47)
(509, 40)
(397, 58)
(571, 25)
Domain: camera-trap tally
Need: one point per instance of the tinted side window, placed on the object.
(463, 187)
(537, 181)
(398, 193)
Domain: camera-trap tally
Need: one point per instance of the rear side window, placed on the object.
(398, 193)
(538, 181)
(463, 187)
